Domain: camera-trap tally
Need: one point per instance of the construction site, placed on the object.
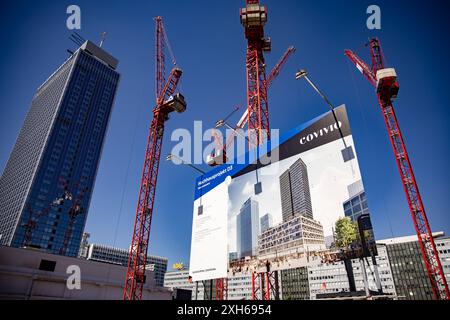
(281, 230)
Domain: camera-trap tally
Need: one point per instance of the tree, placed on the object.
(346, 232)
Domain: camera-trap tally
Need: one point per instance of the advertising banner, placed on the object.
(295, 205)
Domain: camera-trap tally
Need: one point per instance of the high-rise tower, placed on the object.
(247, 228)
(295, 193)
(47, 183)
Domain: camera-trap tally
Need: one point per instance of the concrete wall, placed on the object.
(20, 278)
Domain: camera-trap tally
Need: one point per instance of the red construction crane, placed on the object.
(276, 70)
(31, 224)
(385, 81)
(219, 156)
(253, 18)
(265, 285)
(166, 102)
(222, 289)
(34, 217)
(76, 196)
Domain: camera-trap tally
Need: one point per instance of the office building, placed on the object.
(443, 248)
(401, 272)
(179, 279)
(294, 284)
(396, 273)
(247, 229)
(305, 283)
(113, 255)
(355, 188)
(233, 256)
(299, 234)
(356, 205)
(52, 168)
(266, 222)
(33, 274)
(409, 271)
(240, 286)
(294, 191)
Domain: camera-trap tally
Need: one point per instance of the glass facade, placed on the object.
(408, 270)
(266, 222)
(23, 162)
(64, 131)
(356, 206)
(294, 284)
(247, 228)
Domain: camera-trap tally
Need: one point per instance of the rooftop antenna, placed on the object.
(77, 39)
(75, 34)
(102, 36)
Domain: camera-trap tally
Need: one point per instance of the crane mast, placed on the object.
(166, 103)
(385, 81)
(219, 155)
(253, 17)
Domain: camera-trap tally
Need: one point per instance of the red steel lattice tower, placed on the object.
(32, 222)
(74, 194)
(219, 156)
(166, 102)
(265, 285)
(222, 289)
(76, 209)
(253, 18)
(385, 81)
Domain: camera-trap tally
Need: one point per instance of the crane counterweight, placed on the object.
(387, 84)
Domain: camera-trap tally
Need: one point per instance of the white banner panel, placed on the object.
(209, 246)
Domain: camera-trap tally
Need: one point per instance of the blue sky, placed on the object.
(209, 45)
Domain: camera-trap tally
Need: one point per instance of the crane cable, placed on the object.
(125, 183)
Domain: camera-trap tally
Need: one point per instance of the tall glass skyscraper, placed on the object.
(266, 222)
(294, 191)
(46, 187)
(247, 228)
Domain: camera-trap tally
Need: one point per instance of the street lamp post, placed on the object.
(347, 153)
(172, 156)
(223, 122)
(304, 74)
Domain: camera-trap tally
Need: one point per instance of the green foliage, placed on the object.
(346, 232)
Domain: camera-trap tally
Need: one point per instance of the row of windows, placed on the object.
(60, 142)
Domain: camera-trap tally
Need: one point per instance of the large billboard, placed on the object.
(297, 204)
